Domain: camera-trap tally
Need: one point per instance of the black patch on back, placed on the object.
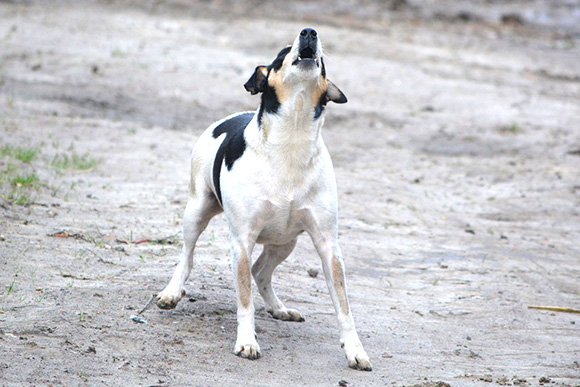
(232, 148)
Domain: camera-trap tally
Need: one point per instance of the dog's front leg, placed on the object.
(333, 267)
(246, 343)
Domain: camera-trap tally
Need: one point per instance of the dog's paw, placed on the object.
(287, 315)
(361, 364)
(168, 299)
(357, 358)
(248, 351)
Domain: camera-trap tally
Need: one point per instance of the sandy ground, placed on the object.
(458, 168)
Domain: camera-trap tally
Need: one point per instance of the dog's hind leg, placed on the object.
(262, 271)
(200, 208)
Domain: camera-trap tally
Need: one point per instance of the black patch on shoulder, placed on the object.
(232, 148)
(323, 68)
(319, 108)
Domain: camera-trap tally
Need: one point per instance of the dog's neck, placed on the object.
(292, 131)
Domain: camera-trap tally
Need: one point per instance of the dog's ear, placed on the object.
(334, 94)
(255, 84)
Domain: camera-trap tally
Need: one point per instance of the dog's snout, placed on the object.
(308, 47)
(309, 34)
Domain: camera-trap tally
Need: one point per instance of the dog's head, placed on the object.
(297, 68)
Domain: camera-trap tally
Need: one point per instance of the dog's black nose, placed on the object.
(309, 34)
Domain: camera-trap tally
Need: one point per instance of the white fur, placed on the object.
(282, 185)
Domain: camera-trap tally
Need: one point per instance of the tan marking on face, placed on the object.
(276, 80)
(318, 91)
(244, 280)
(339, 286)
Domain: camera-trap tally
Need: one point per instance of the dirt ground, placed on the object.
(458, 169)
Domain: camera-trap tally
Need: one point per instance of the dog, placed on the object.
(271, 174)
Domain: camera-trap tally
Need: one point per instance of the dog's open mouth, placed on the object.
(306, 56)
(306, 53)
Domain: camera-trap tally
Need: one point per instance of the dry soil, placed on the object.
(458, 168)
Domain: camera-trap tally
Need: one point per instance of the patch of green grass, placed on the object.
(21, 186)
(26, 155)
(17, 181)
(20, 183)
(10, 287)
(75, 161)
(29, 180)
(21, 198)
(6, 150)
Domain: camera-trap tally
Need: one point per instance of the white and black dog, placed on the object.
(269, 171)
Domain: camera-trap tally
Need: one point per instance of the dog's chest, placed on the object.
(280, 221)
(284, 194)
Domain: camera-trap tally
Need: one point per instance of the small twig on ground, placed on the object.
(555, 308)
(149, 304)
